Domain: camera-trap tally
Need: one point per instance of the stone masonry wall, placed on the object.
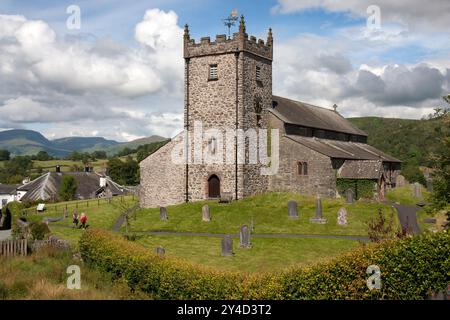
(321, 178)
(162, 181)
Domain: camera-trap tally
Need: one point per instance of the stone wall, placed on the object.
(321, 178)
(162, 180)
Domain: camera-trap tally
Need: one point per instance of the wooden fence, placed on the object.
(12, 248)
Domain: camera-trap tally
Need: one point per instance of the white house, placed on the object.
(8, 193)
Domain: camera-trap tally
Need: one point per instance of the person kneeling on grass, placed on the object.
(83, 220)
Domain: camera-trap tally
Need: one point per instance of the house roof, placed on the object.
(8, 188)
(361, 169)
(343, 149)
(307, 115)
(48, 185)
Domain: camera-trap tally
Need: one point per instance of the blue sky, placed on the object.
(324, 54)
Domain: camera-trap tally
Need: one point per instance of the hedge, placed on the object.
(411, 268)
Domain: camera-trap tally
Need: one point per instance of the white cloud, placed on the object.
(79, 82)
(414, 14)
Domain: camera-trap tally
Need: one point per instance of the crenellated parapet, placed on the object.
(240, 42)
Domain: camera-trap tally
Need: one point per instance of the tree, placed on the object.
(43, 156)
(5, 155)
(68, 188)
(99, 155)
(125, 173)
(441, 159)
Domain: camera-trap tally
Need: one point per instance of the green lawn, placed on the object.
(266, 254)
(403, 195)
(269, 214)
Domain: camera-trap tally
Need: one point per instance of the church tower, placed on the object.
(228, 87)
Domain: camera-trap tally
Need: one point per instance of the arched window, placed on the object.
(258, 111)
(302, 168)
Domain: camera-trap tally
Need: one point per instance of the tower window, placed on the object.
(258, 111)
(213, 72)
(302, 168)
(258, 73)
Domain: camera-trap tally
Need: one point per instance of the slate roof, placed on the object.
(361, 169)
(343, 149)
(8, 188)
(48, 185)
(307, 115)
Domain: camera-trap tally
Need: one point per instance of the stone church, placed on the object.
(228, 84)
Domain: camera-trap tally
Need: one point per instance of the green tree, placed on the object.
(125, 173)
(441, 159)
(5, 155)
(43, 156)
(99, 155)
(68, 188)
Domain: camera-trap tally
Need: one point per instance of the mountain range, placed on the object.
(29, 142)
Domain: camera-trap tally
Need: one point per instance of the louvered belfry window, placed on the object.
(213, 72)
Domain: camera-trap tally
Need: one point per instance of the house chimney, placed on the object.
(58, 168)
(102, 182)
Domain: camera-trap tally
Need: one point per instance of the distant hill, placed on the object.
(114, 149)
(29, 142)
(84, 143)
(411, 141)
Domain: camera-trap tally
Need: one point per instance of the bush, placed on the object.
(39, 230)
(362, 188)
(410, 269)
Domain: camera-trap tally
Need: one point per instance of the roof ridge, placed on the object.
(307, 104)
(336, 147)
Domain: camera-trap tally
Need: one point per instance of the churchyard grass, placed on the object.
(403, 195)
(269, 213)
(266, 254)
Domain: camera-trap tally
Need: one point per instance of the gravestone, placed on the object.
(160, 251)
(205, 213)
(400, 181)
(163, 214)
(349, 195)
(430, 185)
(417, 190)
(342, 217)
(227, 246)
(244, 237)
(292, 209)
(318, 217)
(226, 197)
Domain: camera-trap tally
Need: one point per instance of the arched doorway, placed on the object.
(214, 187)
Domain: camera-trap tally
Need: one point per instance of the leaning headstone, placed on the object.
(205, 213)
(227, 246)
(417, 190)
(349, 195)
(430, 185)
(342, 217)
(292, 209)
(163, 214)
(160, 251)
(400, 181)
(244, 237)
(318, 217)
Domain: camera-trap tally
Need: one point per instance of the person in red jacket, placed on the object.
(83, 220)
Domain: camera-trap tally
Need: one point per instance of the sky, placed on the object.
(119, 72)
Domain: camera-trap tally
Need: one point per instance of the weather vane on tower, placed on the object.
(230, 21)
